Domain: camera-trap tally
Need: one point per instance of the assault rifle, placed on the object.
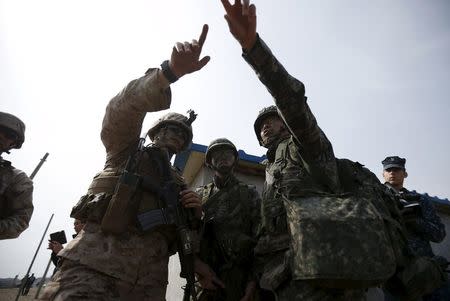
(171, 212)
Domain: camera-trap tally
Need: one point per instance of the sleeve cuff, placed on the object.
(259, 54)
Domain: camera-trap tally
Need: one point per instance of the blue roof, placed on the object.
(181, 159)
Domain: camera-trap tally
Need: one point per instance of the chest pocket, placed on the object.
(284, 174)
(225, 207)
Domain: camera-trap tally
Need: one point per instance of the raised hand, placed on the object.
(54, 246)
(185, 56)
(241, 19)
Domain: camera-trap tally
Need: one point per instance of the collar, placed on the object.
(402, 190)
(272, 150)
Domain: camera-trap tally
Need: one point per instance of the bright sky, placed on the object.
(377, 77)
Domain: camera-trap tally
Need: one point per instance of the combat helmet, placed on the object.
(15, 125)
(175, 119)
(216, 144)
(265, 112)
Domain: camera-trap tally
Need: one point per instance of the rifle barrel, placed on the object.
(34, 257)
(39, 166)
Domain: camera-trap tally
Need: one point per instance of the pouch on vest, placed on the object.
(120, 211)
(91, 207)
(338, 241)
(420, 277)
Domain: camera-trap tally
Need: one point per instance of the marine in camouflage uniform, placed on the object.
(232, 215)
(423, 225)
(132, 264)
(298, 153)
(16, 188)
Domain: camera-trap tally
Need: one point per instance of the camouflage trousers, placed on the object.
(75, 281)
(304, 291)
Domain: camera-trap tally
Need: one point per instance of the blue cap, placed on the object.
(393, 162)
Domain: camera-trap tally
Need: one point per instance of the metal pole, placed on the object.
(38, 166)
(34, 257)
(43, 278)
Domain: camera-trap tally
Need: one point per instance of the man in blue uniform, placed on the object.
(422, 223)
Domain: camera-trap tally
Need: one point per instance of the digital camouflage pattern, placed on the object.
(139, 259)
(16, 200)
(232, 217)
(302, 165)
(355, 224)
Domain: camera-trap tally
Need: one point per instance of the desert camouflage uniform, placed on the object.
(16, 200)
(134, 265)
(232, 215)
(310, 154)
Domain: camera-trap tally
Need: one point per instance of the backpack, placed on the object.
(348, 240)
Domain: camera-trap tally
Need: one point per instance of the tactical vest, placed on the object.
(286, 175)
(333, 230)
(94, 204)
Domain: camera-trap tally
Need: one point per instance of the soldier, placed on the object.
(301, 163)
(422, 223)
(16, 188)
(114, 258)
(56, 246)
(231, 214)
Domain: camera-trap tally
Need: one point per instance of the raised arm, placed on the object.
(288, 92)
(125, 113)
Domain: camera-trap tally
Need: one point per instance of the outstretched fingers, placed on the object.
(252, 18)
(227, 6)
(245, 7)
(202, 38)
(203, 62)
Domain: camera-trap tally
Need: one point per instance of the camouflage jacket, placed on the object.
(423, 227)
(16, 196)
(305, 158)
(300, 164)
(132, 256)
(232, 217)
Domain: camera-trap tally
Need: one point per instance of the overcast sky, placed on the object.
(377, 76)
